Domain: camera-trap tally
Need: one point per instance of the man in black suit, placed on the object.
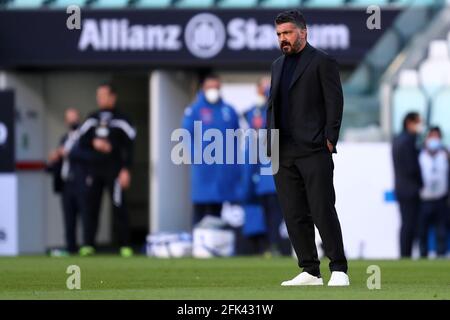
(408, 180)
(306, 106)
(69, 179)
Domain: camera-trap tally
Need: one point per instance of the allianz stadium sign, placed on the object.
(204, 36)
(175, 37)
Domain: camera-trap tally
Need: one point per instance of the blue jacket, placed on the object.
(263, 184)
(255, 220)
(212, 182)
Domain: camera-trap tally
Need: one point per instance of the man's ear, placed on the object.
(303, 33)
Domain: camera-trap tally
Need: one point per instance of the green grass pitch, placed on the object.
(111, 277)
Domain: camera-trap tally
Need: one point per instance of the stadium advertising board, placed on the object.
(6, 131)
(174, 38)
(8, 184)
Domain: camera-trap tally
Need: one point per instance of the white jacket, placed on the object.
(434, 170)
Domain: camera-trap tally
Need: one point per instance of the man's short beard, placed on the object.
(295, 47)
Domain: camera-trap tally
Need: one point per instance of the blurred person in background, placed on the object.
(408, 180)
(264, 185)
(69, 179)
(109, 135)
(211, 184)
(434, 164)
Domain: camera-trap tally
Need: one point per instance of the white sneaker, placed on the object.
(339, 279)
(303, 279)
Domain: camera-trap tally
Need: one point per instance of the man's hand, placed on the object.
(102, 145)
(56, 154)
(124, 178)
(53, 156)
(330, 146)
(63, 152)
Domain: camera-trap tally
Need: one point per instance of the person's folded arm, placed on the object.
(87, 155)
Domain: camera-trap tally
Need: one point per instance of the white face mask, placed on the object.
(212, 95)
(420, 128)
(433, 144)
(260, 100)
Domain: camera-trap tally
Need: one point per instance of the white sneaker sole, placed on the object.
(315, 283)
(339, 285)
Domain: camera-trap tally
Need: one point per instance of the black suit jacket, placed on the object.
(408, 176)
(316, 101)
(55, 169)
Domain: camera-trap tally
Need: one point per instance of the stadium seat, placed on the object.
(280, 3)
(415, 2)
(66, 3)
(324, 3)
(385, 50)
(410, 2)
(448, 41)
(405, 28)
(19, 4)
(153, 3)
(110, 4)
(238, 3)
(194, 3)
(359, 81)
(438, 50)
(440, 112)
(408, 78)
(434, 70)
(401, 2)
(367, 3)
(423, 2)
(407, 97)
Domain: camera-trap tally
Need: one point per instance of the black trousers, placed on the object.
(74, 205)
(96, 186)
(433, 212)
(305, 189)
(409, 211)
(203, 209)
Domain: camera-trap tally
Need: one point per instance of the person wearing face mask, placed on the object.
(434, 163)
(69, 171)
(211, 184)
(408, 180)
(263, 186)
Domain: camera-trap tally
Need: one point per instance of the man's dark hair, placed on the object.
(210, 76)
(435, 130)
(410, 117)
(111, 87)
(293, 16)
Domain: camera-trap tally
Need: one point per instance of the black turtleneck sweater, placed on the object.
(282, 116)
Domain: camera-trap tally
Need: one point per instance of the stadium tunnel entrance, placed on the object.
(40, 100)
(159, 198)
